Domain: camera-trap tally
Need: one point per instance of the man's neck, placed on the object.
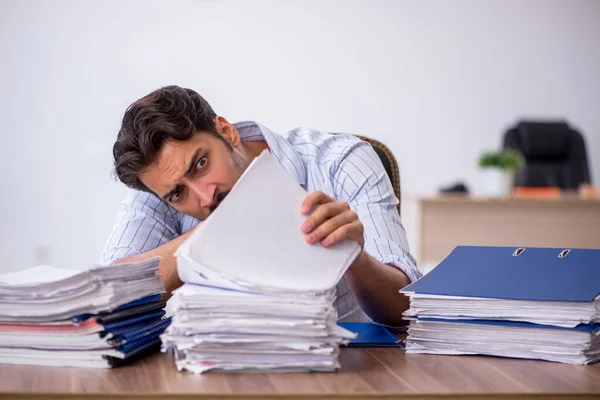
(256, 147)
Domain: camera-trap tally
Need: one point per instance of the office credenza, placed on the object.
(365, 373)
(448, 221)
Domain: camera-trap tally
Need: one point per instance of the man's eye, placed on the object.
(202, 162)
(175, 197)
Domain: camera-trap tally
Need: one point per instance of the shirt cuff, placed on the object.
(405, 266)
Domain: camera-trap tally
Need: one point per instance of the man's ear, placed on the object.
(228, 131)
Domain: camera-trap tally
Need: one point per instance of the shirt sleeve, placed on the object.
(143, 223)
(361, 180)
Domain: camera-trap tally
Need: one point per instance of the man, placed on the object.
(181, 160)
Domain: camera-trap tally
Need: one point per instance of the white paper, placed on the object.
(36, 306)
(552, 344)
(253, 239)
(215, 329)
(59, 294)
(258, 297)
(37, 274)
(562, 314)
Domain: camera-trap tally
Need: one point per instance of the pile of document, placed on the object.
(257, 297)
(102, 317)
(537, 303)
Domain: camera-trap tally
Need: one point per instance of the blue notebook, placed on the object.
(370, 335)
(539, 274)
(137, 341)
(131, 333)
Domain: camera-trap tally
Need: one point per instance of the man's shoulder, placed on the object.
(321, 145)
(150, 204)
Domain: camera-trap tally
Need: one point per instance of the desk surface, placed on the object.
(365, 373)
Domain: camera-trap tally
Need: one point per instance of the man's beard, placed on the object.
(239, 165)
(220, 196)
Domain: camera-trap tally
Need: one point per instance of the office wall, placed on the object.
(437, 81)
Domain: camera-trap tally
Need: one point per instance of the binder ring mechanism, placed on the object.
(564, 253)
(518, 252)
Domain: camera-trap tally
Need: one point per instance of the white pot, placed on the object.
(497, 183)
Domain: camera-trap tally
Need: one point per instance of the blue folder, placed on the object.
(370, 335)
(584, 328)
(538, 274)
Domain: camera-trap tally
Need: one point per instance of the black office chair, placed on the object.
(389, 163)
(554, 152)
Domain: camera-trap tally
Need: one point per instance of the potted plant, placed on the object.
(499, 168)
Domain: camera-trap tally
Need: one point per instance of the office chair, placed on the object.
(389, 163)
(554, 152)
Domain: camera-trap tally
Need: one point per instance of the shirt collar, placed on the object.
(283, 151)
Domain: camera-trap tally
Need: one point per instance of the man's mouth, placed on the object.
(218, 199)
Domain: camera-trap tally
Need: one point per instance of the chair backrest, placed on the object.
(554, 152)
(389, 163)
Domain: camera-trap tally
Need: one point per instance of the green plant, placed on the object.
(506, 160)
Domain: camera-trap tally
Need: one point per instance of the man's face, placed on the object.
(195, 175)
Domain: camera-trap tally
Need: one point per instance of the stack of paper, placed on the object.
(539, 303)
(217, 329)
(258, 297)
(98, 318)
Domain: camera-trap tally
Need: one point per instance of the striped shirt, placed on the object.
(342, 166)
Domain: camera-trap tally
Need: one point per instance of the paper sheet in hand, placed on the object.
(254, 239)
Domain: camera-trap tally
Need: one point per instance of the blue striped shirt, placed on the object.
(342, 166)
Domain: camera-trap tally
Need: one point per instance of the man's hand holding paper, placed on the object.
(332, 221)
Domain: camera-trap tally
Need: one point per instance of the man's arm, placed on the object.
(364, 209)
(145, 228)
(375, 286)
(167, 265)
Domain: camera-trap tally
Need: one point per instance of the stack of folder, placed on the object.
(102, 317)
(257, 296)
(537, 303)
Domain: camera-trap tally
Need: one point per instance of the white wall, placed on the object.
(437, 81)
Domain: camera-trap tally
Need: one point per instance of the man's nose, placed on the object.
(205, 194)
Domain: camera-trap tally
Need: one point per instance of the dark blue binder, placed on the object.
(539, 274)
(143, 350)
(151, 316)
(140, 306)
(132, 333)
(585, 328)
(370, 335)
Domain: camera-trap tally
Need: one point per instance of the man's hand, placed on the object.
(374, 284)
(167, 264)
(332, 221)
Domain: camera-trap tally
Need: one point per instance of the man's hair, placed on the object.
(169, 113)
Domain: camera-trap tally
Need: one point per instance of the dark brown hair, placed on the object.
(169, 113)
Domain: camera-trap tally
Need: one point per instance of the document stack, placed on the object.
(257, 297)
(102, 317)
(537, 303)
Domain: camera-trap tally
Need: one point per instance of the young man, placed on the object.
(180, 159)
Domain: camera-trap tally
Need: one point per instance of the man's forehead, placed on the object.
(182, 151)
(171, 164)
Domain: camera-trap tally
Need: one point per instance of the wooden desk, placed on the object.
(365, 373)
(448, 221)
